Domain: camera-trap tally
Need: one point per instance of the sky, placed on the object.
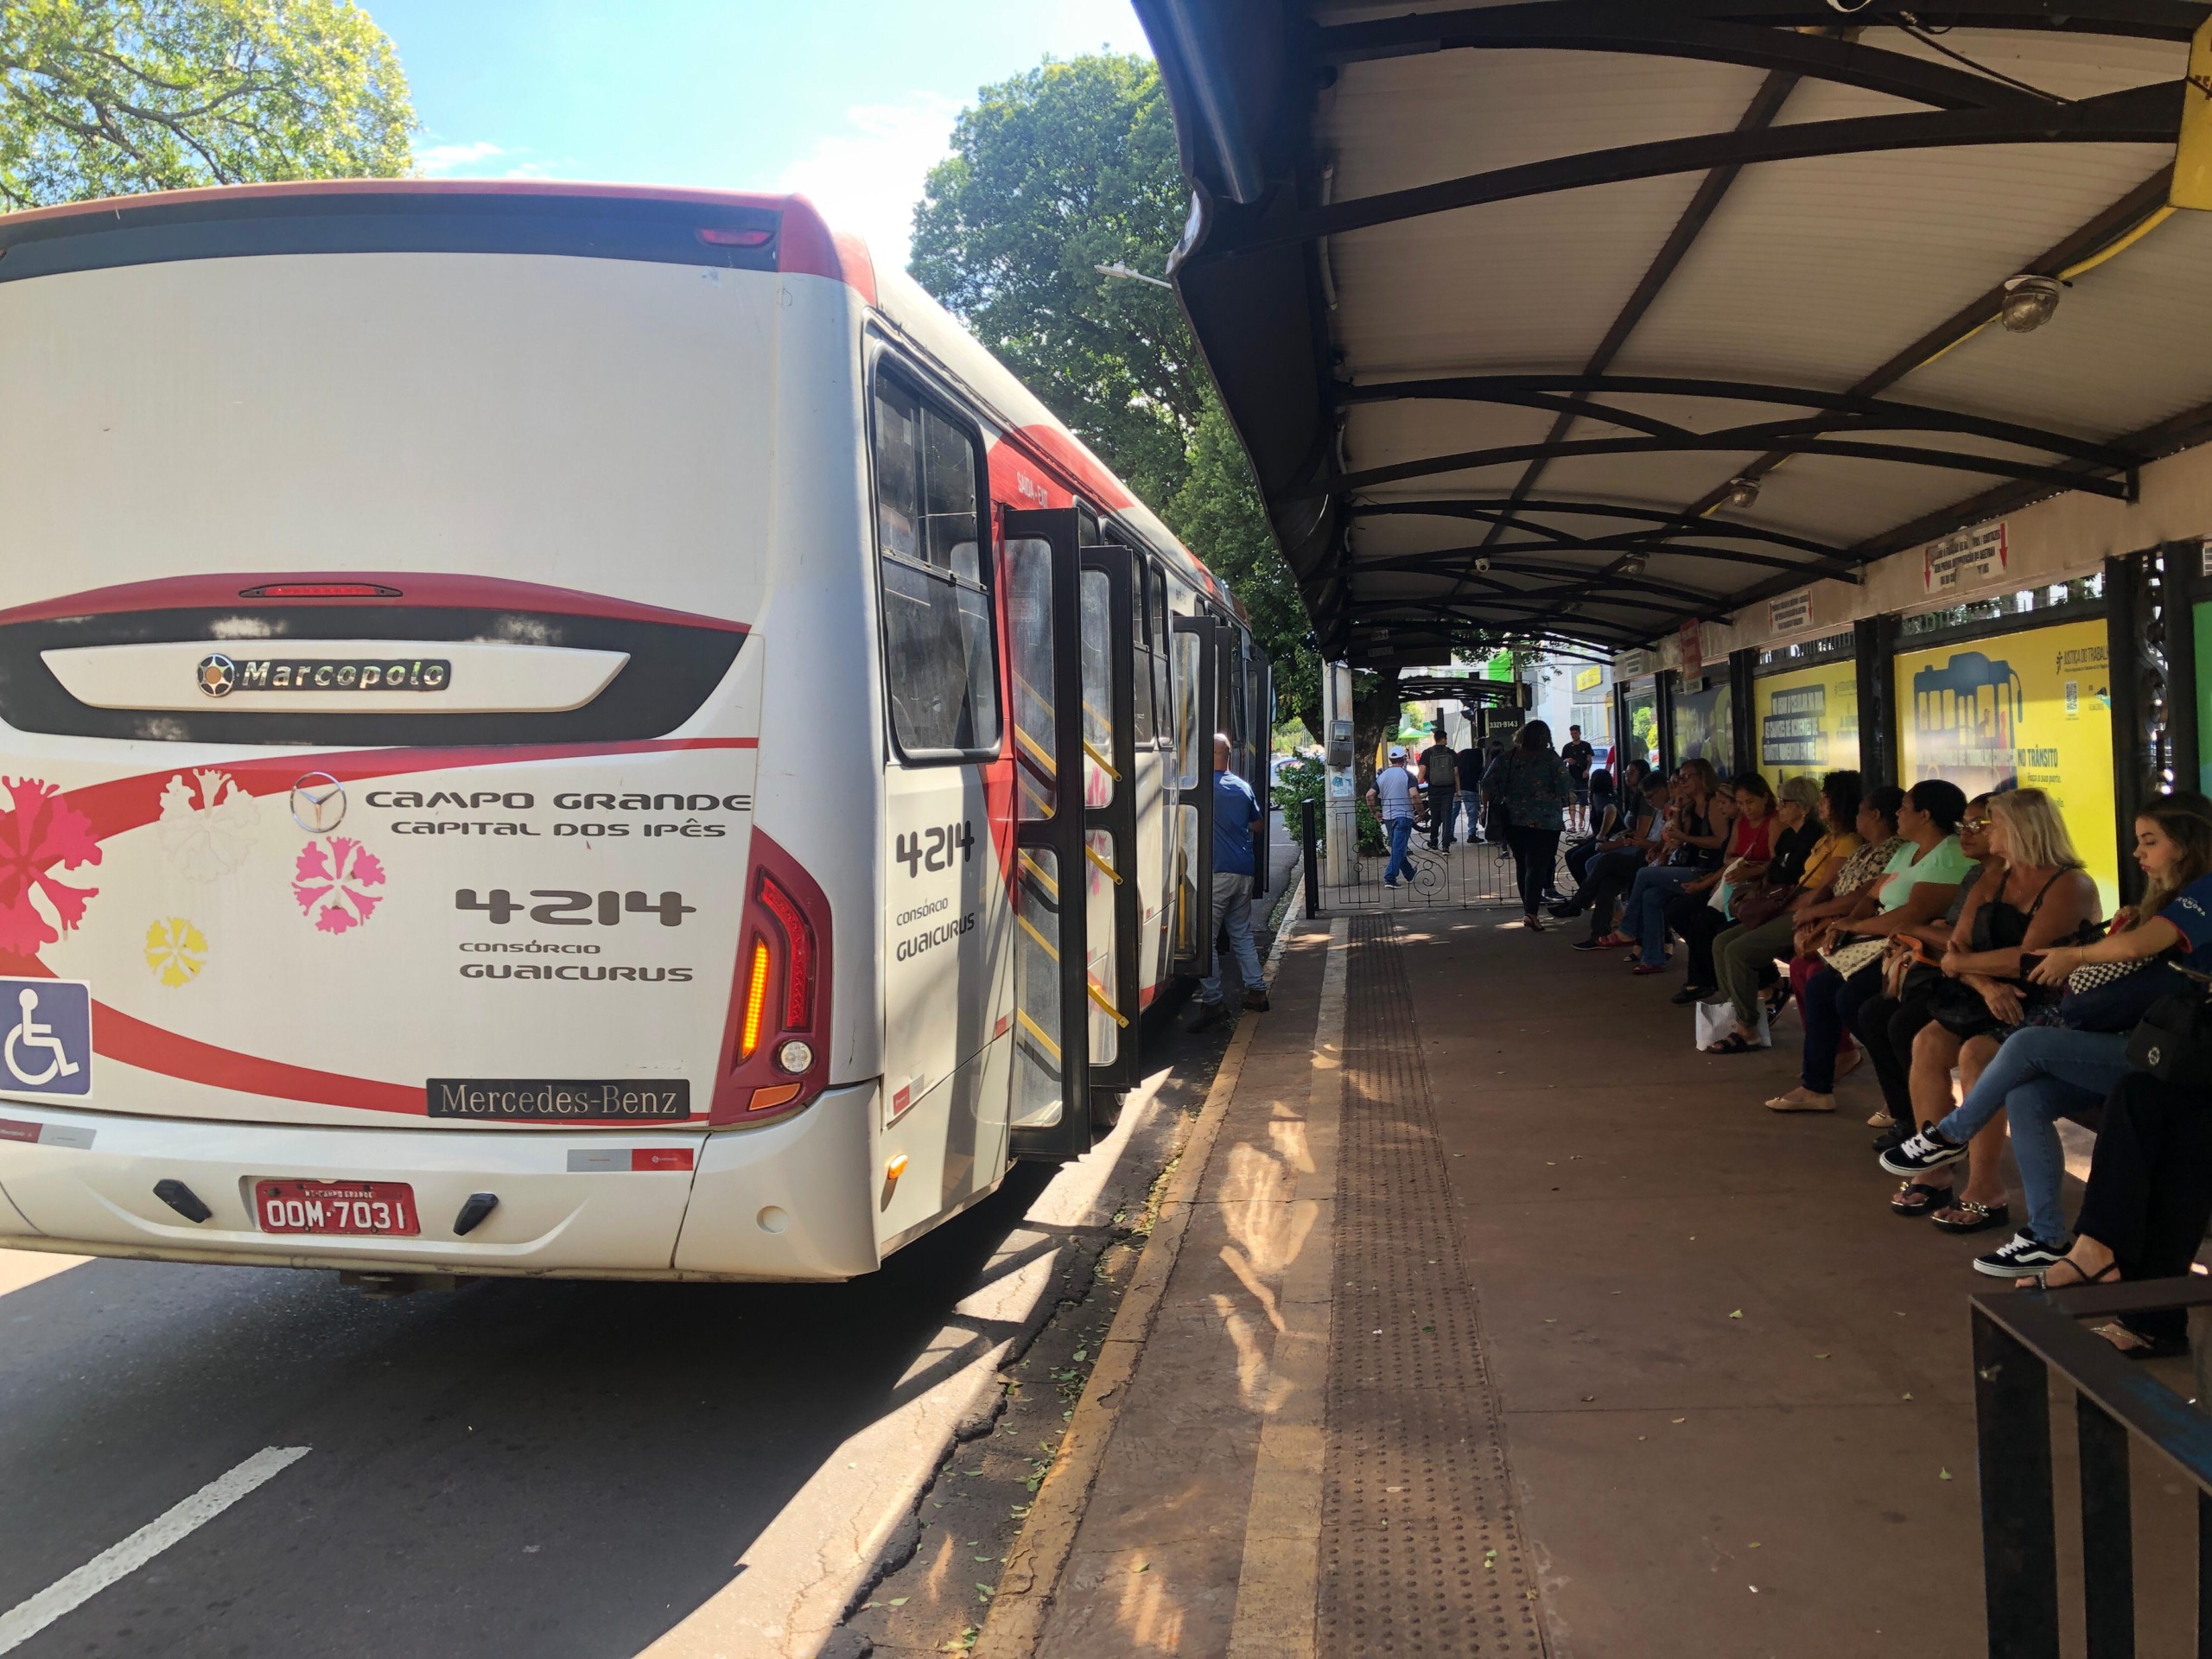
(849, 101)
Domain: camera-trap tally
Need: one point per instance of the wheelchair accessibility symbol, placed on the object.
(47, 1048)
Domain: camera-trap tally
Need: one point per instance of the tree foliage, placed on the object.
(102, 98)
(1053, 174)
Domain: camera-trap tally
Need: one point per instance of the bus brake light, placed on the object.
(798, 939)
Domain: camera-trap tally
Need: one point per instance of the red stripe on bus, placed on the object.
(418, 590)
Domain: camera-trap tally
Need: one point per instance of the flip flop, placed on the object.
(1981, 1217)
(1931, 1198)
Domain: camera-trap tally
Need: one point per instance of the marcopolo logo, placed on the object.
(219, 676)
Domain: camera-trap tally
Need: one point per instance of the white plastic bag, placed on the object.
(1716, 1020)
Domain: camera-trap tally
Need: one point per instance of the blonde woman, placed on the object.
(2033, 895)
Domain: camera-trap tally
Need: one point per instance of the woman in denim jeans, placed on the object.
(2043, 1072)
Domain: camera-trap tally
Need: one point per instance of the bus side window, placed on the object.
(937, 633)
(1146, 642)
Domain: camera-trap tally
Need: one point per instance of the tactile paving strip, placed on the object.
(1421, 1553)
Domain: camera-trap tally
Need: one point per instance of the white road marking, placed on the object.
(25, 1620)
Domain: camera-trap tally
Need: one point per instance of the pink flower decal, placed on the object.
(331, 879)
(39, 832)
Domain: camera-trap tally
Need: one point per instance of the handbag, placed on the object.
(2173, 1042)
(2111, 996)
(1961, 1009)
(1763, 903)
(1849, 958)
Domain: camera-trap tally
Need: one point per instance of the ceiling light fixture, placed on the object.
(2029, 303)
(1632, 564)
(1743, 493)
(1482, 564)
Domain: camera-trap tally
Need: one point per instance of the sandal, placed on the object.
(1734, 1043)
(1977, 1217)
(2110, 1270)
(1901, 1201)
(1777, 1000)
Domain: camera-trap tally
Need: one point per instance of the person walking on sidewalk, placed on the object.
(1576, 754)
(1527, 788)
(1392, 797)
(1470, 779)
(1236, 821)
(1440, 770)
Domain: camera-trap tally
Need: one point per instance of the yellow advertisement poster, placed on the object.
(1808, 721)
(2021, 710)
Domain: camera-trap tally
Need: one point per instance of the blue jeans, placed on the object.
(1400, 831)
(1643, 917)
(2040, 1075)
(1232, 907)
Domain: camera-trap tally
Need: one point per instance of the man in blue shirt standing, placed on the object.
(1392, 796)
(1236, 829)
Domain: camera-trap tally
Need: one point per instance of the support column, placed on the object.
(1339, 746)
(2136, 687)
(1662, 686)
(1873, 644)
(1742, 695)
(2186, 586)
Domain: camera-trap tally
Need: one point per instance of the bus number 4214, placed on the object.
(559, 907)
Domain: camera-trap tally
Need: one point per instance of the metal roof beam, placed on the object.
(1863, 412)
(1644, 29)
(2139, 115)
(1470, 609)
(1775, 437)
(1454, 561)
(1664, 524)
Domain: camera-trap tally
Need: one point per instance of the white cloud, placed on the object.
(868, 177)
(442, 161)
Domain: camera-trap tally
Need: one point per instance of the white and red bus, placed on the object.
(562, 730)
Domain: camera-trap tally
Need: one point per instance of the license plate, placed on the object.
(349, 1207)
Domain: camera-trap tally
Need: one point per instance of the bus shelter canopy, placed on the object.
(1575, 319)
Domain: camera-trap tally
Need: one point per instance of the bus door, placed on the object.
(1196, 644)
(1260, 675)
(1068, 1028)
(1109, 626)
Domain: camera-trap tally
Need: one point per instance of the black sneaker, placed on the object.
(1209, 1013)
(1690, 993)
(1257, 999)
(1923, 1151)
(1566, 908)
(1589, 944)
(2023, 1258)
(1893, 1137)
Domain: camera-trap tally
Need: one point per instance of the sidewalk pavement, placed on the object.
(1487, 1317)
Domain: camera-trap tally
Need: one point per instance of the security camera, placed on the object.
(1482, 565)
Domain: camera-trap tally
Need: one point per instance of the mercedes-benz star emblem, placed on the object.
(318, 804)
(218, 674)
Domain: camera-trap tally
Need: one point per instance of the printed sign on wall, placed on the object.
(1790, 613)
(1965, 560)
(2021, 710)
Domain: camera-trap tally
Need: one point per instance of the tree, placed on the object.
(1219, 512)
(1052, 173)
(101, 98)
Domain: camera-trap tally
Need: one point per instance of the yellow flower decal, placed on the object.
(176, 950)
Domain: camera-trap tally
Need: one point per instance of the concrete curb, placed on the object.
(1015, 1624)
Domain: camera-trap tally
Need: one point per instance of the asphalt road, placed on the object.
(510, 1468)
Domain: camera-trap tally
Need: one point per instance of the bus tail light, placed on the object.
(776, 1051)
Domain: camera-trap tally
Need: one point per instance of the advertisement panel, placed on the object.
(1705, 726)
(1808, 721)
(2020, 710)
